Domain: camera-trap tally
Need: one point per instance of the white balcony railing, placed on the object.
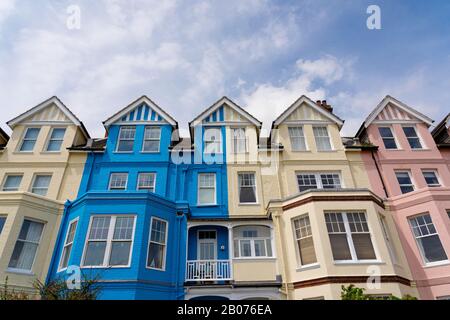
(208, 270)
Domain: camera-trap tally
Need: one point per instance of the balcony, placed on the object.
(208, 270)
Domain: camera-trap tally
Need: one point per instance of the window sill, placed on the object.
(249, 204)
(254, 258)
(23, 152)
(437, 264)
(20, 271)
(207, 204)
(150, 152)
(328, 150)
(362, 262)
(50, 152)
(155, 269)
(105, 267)
(423, 149)
(308, 267)
(301, 151)
(123, 152)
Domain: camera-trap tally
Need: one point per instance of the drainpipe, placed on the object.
(179, 219)
(277, 216)
(379, 174)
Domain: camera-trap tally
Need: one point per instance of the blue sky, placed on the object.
(187, 54)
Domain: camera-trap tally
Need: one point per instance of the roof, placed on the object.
(143, 99)
(5, 137)
(312, 104)
(355, 143)
(94, 145)
(441, 132)
(185, 143)
(231, 104)
(53, 100)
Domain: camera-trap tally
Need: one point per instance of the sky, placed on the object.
(185, 55)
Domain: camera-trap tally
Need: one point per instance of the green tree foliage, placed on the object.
(354, 293)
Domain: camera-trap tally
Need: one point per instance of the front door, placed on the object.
(207, 245)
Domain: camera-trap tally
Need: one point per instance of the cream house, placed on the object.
(37, 175)
(330, 229)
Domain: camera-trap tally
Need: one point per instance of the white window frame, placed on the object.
(146, 188)
(294, 233)
(110, 181)
(199, 241)
(119, 139)
(419, 247)
(256, 189)
(26, 271)
(235, 140)
(165, 244)
(109, 240)
(397, 144)
(22, 140)
(328, 136)
(439, 184)
(152, 139)
(34, 180)
(252, 244)
(351, 245)
(417, 134)
(76, 220)
(297, 137)
(12, 175)
(220, 142)
(410, 178)
(199, 187)
(317, 176)
(49, 139)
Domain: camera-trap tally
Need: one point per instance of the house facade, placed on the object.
(331, 229)
(410, 171)
(38, 174)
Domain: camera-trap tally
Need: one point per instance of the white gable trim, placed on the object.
(118, 116)
(388, 99)
(53, 100)
(312, 104)
(229, 103)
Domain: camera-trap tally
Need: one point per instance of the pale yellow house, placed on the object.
(330, 229)
(37, 175)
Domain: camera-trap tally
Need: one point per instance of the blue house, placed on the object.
(126, 227)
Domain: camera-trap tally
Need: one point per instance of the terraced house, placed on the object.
(331, 229)
(411, 172)
(37, 175)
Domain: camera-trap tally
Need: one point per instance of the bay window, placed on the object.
(311, 180)
(68, 243)
(157, 245)
(109, 242)
(349, 235)
(304, 239)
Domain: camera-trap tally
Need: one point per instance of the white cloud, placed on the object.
(6, 9)
(267, 101)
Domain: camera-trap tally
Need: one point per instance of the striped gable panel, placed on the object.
(142, 113)
(305, 112)
(391, 112)
(50, 113)
(215, 116)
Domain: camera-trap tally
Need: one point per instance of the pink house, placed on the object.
(412, 174)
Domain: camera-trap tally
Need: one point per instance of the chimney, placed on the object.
(325, 106)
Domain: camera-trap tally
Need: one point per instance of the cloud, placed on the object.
(6, 9)
(267, 101)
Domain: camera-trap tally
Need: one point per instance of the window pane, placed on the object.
(58, 134)
(40, 185)
(125, 146)
(29, 139)
(99, 228)
(246, 248)
(405, 182)
(322, 139)
(306, 251)
(413, 139)
(32, 134)
(146, 181)
(12, 183)
(95, 253)
(155, 255)
(151, 146)
(363, 246)
(118, 181)
(432, 249)
(297, 139)
(123, 229)
(260, 249)
(120, 253)
(65, 256)
(26, 246)
(152, 133)
(239, 140)
(213, 140)
(247, 188)
(431, 178)
(126, 139)
(388, 138)
(306, 182)
(340, 247)
(330, 181)
(2, 223)
(56, 139)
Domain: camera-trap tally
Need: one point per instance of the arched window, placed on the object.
(252, 241)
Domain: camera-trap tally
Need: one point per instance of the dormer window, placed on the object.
(29, 139)
(322, 138)
(413, 138)
(56, 139)
(213, 140)
(126, 139)
(297, 138)
(152, 139)
(388, 138)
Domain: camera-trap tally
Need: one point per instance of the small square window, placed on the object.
(431, 178)
(412, 137)
(404, 180)
(388, 138)
(41, 184)
(146, 181)
(29, 140)
(118, 181)
(56, 139)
